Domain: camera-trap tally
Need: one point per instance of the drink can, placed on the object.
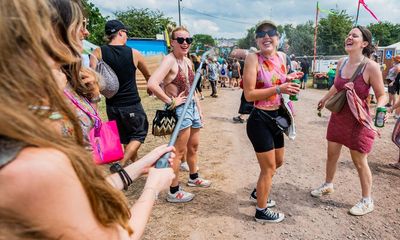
(380, 117)
(295, 97)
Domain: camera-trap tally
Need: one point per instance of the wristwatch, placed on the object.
(278, 90)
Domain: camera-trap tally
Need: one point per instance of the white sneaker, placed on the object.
(199, 182)
(184, 167)
(324, 189)
(180, 196)
(362, 208)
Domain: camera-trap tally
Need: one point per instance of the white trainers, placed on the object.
(180, 196)
(324, 189)
(362, 208)
(185, 167)
(199, 182)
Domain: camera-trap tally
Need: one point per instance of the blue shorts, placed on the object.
(304, 78)
(192, 116)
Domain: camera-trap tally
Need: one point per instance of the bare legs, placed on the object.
(188, 139)
(131, 150)
(269, 162)
(360, 162)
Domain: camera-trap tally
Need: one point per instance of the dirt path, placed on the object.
(227, 158)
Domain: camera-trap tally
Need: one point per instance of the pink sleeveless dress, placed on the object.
(343, 127)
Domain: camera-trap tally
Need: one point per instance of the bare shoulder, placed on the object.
(35, 167)
(252, 57)
(372, 66)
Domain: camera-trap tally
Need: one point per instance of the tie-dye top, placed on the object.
(271, 72)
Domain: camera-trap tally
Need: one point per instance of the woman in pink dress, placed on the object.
(344, 128)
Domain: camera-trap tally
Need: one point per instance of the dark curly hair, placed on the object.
(367, 36)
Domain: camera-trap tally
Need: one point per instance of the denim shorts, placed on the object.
(191, 118)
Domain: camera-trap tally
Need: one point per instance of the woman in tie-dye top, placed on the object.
(264, 79)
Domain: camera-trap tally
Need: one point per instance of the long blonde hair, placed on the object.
(25, 81)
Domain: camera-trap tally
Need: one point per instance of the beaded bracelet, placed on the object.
(172, 105)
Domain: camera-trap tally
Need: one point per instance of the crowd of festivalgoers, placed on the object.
(49, 109)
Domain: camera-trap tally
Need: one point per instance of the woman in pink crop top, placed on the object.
(264, 79)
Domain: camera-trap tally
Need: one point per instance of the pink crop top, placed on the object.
(271, 72)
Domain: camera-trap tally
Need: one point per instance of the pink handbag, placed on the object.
(104, 137)
(105, 142)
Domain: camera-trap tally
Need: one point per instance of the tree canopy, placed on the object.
(144, 23)
(385, 33)
(96, 22)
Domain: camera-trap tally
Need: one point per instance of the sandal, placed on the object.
(395, 165)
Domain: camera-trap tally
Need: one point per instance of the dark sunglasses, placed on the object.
(271, 33)
(180, 40)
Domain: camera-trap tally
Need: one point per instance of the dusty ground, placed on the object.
(226, 157)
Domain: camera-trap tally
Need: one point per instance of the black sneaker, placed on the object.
(253, 197)
(266, 215)
(238, 119)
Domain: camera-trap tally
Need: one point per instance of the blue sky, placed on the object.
(230, 18)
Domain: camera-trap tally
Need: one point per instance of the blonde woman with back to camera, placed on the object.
(47, 180)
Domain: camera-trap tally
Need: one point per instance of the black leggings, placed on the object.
(259, 133)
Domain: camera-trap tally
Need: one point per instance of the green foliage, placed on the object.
(96, 22)
(332, 31)
(249, 40)
(203, 41)
(300, 39)
(144, 23)
(385, 33)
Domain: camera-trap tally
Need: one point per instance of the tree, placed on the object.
(385, 33)
(144, 23)
(332, 31)
(249, 40)
(300, 39)
(96, 22)
(201, 41)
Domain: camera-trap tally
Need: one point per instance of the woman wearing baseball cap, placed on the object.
(264, 79)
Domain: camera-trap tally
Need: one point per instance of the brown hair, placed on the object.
(367, 36)
(25, 81)
(67, 18)
(180, 28)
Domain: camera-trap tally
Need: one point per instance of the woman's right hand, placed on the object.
(180, 99)
(290, 88)
(159, 179)
(321, 104)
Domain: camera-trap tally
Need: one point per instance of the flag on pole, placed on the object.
(323, 10)
(166, 37)
(362, 2)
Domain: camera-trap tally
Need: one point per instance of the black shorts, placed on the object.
(395, 88)
(245, 106)
(131, 122)
(259, 133)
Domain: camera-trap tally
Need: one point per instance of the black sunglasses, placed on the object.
(271, 33)
(180, 40)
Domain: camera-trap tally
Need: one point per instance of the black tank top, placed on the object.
(120, 59)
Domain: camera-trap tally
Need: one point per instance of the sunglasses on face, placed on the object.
(180, 40)
(270, 33)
